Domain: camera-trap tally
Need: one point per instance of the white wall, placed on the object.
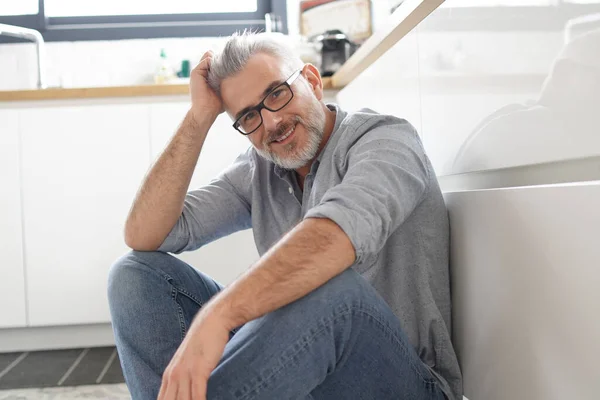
(96, 63)
(450, 82)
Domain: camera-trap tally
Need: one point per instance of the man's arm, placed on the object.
(315, 251)
(160, 200)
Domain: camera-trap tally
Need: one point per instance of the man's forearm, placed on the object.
(311, 254)
(159, 201)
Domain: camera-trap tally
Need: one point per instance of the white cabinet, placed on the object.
(225, 258)
(82, 166)
(525, 281)
(12, 285)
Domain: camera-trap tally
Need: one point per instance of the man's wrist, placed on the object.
(201, 120)
(219, 309)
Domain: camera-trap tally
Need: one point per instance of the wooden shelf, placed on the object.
(103, 92)
(94, 92)
(404, 19)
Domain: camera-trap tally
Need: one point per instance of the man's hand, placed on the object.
(186, 376)
(204, 99)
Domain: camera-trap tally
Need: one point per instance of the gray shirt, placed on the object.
(375, 181)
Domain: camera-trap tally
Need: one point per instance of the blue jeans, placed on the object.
(340, 341)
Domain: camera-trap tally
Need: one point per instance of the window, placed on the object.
(78, 8)
(70, 20)
(23, 7)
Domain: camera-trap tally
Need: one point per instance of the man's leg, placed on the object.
(341, 341)
(153, 298)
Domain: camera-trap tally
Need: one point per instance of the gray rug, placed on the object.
(73, 367)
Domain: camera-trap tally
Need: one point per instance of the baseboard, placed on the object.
(56, 337)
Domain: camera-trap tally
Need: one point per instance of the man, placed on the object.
(350, 298)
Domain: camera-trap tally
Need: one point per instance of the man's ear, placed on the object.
(313, 77)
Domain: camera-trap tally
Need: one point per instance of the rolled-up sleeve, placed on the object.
(215, 210)
(386, 177)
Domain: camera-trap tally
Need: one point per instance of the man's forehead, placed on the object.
(248, 87)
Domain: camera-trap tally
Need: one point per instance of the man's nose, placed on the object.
(270, 119)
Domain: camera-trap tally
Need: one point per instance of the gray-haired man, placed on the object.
(350, 298)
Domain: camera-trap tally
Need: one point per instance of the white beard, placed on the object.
(297, 157)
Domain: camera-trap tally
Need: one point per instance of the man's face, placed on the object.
(303, 118)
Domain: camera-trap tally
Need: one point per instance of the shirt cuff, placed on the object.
(343, 220)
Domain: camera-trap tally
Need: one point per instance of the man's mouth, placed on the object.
(286, 135)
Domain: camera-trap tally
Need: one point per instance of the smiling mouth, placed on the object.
(285, 135)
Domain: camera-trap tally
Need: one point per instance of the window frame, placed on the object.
(119, 27)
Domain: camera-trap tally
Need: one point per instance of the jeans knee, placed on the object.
(128, 273)
(348, 288)
(342, 293)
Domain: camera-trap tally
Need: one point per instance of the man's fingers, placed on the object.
(204, 64)
(162, 392)
(205, 61)
(199, 389)
(168, 389)
(171, 392)
(207, 54)
(184, 391)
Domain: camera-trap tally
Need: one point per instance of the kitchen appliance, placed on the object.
(336, 48)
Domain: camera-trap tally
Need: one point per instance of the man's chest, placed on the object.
(283, 205)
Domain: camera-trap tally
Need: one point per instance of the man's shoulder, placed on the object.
(367, 120)
(366, 125)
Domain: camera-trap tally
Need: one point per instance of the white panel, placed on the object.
(81, 169)
(55, 337)
(390, 85)
(503, 98)
(525, 274)
(12, 285)
(226, 258)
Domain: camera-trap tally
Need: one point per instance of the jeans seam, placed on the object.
(182, 326)
(170, 280)
(183, 291)
(388, 330)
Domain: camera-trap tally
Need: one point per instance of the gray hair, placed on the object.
(241, 46)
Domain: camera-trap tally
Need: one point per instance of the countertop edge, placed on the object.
(104, 92)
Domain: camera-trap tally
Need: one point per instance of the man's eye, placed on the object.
(276, 93)
(249, 116)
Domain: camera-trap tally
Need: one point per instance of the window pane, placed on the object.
(21, 7)
(79, 8)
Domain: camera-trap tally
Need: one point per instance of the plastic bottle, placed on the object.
(164, 72)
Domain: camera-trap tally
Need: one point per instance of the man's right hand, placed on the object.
(204, 100)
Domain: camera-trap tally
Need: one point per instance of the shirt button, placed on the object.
(291, 190)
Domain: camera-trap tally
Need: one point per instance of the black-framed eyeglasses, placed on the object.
(277, 98)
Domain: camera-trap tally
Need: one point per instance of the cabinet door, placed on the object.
(12, 285)
(225, 258)
(82, 166)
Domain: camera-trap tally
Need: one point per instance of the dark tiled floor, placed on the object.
(73, 367)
